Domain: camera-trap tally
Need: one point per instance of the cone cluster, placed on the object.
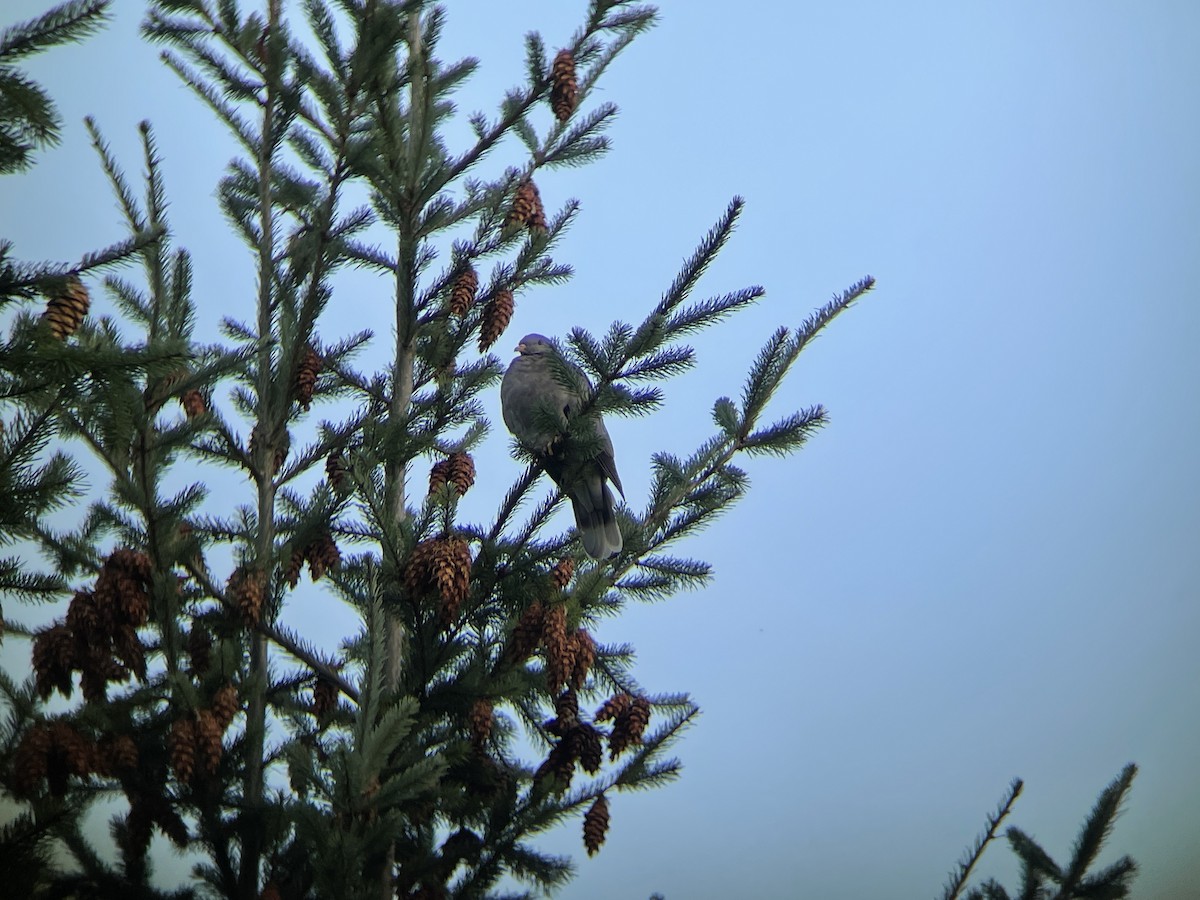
(194, 743)
(115, 755)
(560, 651)
(497, 313)
(306, 376)
(440, 567)
(457, 469)
(322, 555)
(65, 311)
(226, 704)
(51, 751)
(564, 91)
(595, 825)
(629, 723)
(527, 208)
(462, 294)
(99, 637)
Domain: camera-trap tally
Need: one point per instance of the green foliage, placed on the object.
(28, 119)
(428, 752)
(1041, 877)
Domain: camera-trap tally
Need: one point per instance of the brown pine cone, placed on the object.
(441, 566)
(66, 310)
(245, 590)
(527, 208)
(559, 764)
(527, 634)
(336, 470)
(54, 658)
(613, 707)
(116, 754)
(225, 704)
(588, 748)
(130, 650)
(461, 471)
(595, 825)
(564, 91)
(306, 376)
(123, 586)
(181, 745)
(439, 474)
(497, 313)
(562, 572)
(193, 403)
(462, 295)
(481, 721)
(270, 892)
(323, 555)
(70, 754)
(199, 648)
(291, 575)
(629, 726)
(639, 717)
(324, 699)
(30, 760)
(208, 740)
(560, 659)
(583, 654)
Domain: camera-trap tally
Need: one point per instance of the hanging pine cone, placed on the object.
(566, 712)
(595, 825)
(560, 659)
(225, 704)
(208, 740)
(439, 475)
(481, 721)
(588, 747)
(497, 313)
(564, 92)
(629, 725)
(562, 572)
(306, 376)
(440, 566)
(193, 403)
(527, 208)
(245, 590)
(527, 633)
(54, 658)
(462, 471)
(559, 764)
(324, 698)
(291, 575)
(30, 760)
(65, 311)
(583, 654)
(181, 745)
(122, 588)
(323, 555)
(462, 295)
(336, 470)
(199, 648)
(613, 707)
(116, 754)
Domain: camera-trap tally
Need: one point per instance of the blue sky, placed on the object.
(987, 566)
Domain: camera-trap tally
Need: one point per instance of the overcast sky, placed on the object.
(987, 566)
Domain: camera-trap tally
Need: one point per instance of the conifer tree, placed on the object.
(473, 709)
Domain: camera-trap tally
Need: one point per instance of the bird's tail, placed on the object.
(596, 519)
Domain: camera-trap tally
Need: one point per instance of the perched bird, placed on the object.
(537, 406)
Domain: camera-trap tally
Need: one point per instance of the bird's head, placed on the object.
(534, 345)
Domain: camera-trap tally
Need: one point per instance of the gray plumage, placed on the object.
(536, 406)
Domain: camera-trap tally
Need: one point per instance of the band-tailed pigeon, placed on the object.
(536, 406)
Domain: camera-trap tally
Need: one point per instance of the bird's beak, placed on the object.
(520, 348)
